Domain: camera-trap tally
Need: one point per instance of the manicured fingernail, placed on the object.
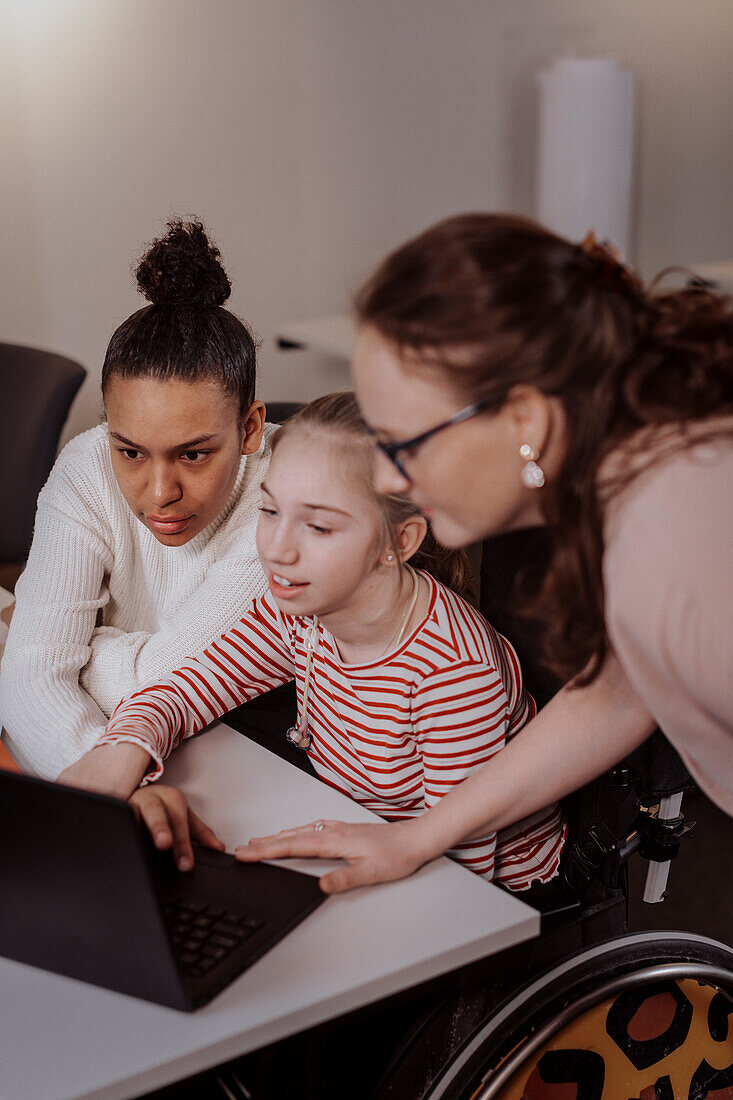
(161, 837)
(185, 863)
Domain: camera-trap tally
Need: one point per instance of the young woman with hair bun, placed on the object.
(512, 379)
(144, 542)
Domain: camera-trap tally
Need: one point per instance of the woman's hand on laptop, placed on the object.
(172, 823)
(371, 853)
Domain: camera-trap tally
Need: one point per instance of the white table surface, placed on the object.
(63, 1040)
(329, 335)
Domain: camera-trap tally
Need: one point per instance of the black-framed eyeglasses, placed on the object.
(392, 450)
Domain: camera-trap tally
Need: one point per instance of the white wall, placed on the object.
(311, 136)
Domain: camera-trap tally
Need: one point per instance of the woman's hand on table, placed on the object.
(108, 769)
(372, 853)
(172, 823)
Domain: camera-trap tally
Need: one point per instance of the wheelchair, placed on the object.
(641, 1017)
(585, 1011)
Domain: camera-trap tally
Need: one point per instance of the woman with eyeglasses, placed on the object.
(511, 379)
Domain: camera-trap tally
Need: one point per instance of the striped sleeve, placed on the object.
(521, 705)
(529, 851)
(252, 657)
(460, 720)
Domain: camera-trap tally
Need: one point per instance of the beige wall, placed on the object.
(312, 135)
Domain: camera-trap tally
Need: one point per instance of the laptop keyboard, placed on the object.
(204, 935)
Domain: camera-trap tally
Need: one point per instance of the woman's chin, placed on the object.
(451, 532)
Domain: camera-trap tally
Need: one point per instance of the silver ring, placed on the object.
(319, 826)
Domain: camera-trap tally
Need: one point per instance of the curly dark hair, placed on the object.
(185, 333)
(496, 300)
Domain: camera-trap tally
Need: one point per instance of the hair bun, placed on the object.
(183, 268)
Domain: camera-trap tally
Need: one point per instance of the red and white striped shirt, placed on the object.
(395, 734)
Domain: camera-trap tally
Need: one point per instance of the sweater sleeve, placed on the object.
(252, 657)
(460, 719)
(50, 721)
(121, 663)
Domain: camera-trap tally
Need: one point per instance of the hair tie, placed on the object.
(613, 272)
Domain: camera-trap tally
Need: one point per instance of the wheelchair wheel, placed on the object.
(643, 1017)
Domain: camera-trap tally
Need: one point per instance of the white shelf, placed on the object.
(328, 335)
(717, 272)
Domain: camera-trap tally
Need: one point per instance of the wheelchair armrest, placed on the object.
(659, 768)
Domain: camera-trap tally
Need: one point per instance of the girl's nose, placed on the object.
(387, 478)
(282, 546)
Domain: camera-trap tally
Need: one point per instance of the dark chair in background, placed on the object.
(36, 391)
(280, 411)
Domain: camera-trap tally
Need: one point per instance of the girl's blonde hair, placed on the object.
(338, 414)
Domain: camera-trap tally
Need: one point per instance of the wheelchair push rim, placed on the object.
(502, 1050)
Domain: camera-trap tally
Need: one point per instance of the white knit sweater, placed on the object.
(92, 561)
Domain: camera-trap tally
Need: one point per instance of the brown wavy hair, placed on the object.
(338, 414)
(493, 301)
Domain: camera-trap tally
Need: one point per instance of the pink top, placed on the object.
(668, 577)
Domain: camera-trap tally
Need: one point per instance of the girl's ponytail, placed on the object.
(451, 567)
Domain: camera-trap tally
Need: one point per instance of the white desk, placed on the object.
(62, 1040)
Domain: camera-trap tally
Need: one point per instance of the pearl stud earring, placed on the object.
(533, 476)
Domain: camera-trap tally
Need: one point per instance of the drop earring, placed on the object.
(533, 476)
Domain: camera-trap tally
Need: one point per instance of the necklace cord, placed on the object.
(311, 636)
(408, 613)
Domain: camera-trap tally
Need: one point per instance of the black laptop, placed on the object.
(84, 893)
